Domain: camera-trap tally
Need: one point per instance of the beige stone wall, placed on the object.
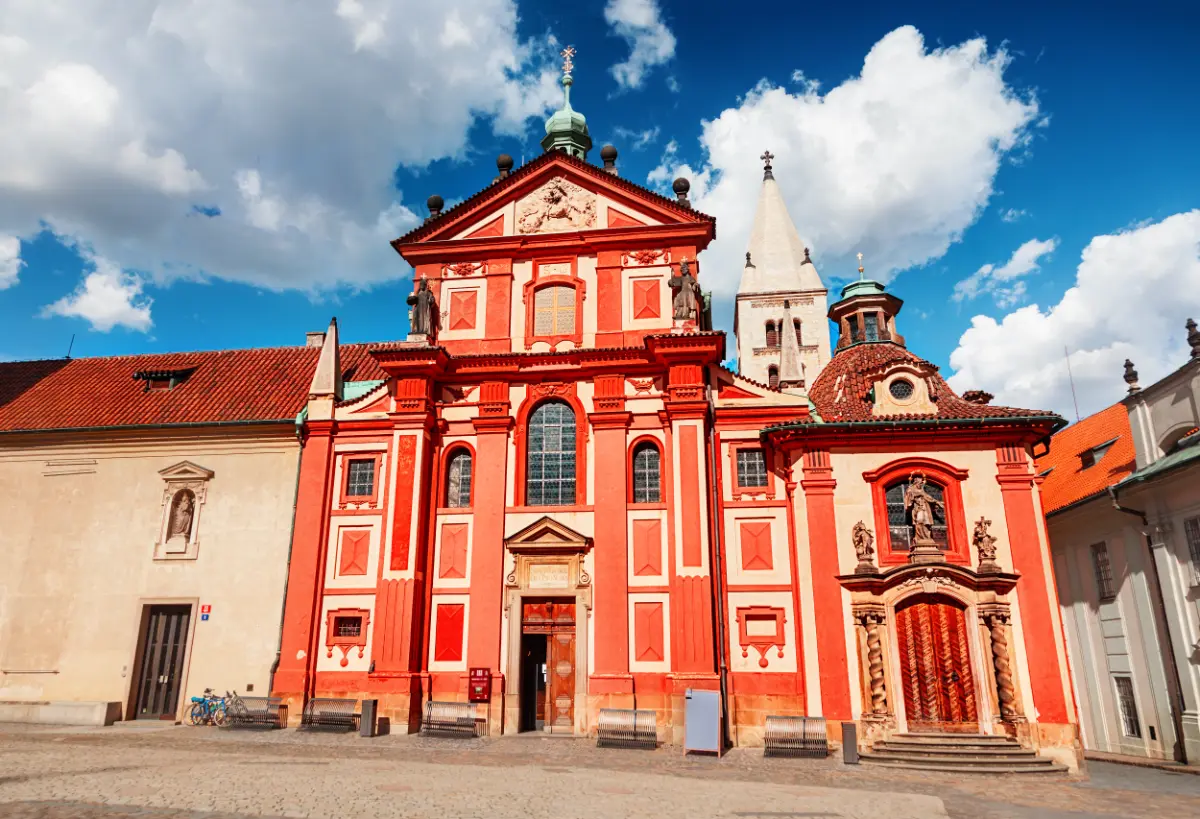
(81, 517)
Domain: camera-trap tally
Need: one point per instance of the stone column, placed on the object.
(997, 621)
(871, 618)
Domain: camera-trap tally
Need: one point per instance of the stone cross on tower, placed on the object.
(567, 53)
(766, 157)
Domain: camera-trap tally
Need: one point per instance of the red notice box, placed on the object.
(480, 687)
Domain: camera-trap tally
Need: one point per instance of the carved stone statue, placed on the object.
(686, 293)
(922, 505)
(182, 513)
(986, 545)
(862, 538)
(423, 315)
(557, 205)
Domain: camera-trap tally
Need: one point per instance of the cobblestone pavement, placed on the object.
(135, 772)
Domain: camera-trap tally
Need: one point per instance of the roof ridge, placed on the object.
(276, 348)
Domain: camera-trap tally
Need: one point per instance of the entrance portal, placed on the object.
(935, 665)
(160, 661)
(547, 665)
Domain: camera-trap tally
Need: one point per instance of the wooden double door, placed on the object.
(935, 666)
(548, 665)
(160, 661)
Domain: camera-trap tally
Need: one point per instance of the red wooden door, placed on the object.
(935, 666)
(562, 679)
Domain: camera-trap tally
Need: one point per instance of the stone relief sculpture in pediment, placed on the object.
(556, 206)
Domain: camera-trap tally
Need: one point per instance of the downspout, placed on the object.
(716, 531)
(1175, 686)
(287, 574)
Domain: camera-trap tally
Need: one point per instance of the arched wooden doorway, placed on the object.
(935, 665)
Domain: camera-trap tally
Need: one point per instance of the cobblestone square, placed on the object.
(174, 772)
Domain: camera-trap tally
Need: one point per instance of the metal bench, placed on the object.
(449, 719)
(329, 714)
(627, 728)
(796, 736)
(256, 712)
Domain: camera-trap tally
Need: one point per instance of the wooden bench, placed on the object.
(255, 712)
(627, 728)
(796, 736)
(327, 713)
(450, 719)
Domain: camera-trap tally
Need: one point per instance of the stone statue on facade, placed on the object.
(920, 504)
(863, 539)
(686, 293)
(985, 543)
(181, 516)
(423, 316)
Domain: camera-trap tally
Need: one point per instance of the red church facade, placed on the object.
(562, 485)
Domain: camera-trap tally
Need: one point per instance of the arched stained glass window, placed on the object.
(550, 462)
(647, 474)
(458, 479)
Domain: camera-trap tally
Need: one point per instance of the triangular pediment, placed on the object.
(548, 535)
(554, 193)
(186, 471)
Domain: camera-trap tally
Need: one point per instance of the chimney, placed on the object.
(314, 339)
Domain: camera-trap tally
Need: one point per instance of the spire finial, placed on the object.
(766, 157)
(748, 262)
(860, 268)
(1131, 377)
(568, 64)
(807, 258)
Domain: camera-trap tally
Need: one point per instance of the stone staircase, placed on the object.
(959, 753)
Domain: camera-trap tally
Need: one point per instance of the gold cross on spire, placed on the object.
(860, 267)
(567, 53)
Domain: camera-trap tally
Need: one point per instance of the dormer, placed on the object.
(162, 380)
(866, 314)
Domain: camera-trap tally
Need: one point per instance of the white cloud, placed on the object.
(896, 162)
(249, 141)
(1133, 291)
(1013, 214)
(999, 281)
(107, 297)
(638, 139)
(10, 261)
(651, 43)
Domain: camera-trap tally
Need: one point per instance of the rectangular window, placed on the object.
(347, 626)
(853, 322)
(1087, 459)
(1130, 723)
(751, 468)
(554, 311)
(871, 327)
(1191, 529)
(1103, 568)
(360, 478)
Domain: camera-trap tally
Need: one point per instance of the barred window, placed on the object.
(347, 626)
(554, 311)
(458, 479)
(360, 478)
(900, 519)
(772, 334)
(773, 377)
(647, 481)
(1130, 723)
(550, 464)
(751, 468)
(799, 334)
(1191, 529)
(1103, 569)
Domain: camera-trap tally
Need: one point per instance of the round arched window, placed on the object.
(901, 389)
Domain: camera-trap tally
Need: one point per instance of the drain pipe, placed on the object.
(287, 572)
(716, 532)
(1175, 685)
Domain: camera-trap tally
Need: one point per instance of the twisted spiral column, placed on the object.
(875, 667)
(1005, 691)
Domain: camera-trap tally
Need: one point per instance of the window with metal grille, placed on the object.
(550, 463)
(647, 480)
(554, 311)
(751, 468)
(1191, 529)
(360, 478)
(853, 324)
(458, 479)
(900, 519)
(773, 377)
(1103, 569)
(901, 389)
(772, 334)
(1130, 723)
(871, 327)
(347, 626)
(799, 334)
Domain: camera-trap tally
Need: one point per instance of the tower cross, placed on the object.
(567, 53)
(766, 158)
(860, 267)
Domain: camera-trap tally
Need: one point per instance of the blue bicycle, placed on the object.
(208, 710)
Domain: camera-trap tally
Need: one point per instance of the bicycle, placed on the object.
(208, 709)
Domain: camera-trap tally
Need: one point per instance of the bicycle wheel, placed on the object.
(218, 715)
(198, 714)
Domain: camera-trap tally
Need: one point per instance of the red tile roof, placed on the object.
(226, 386)
(840, 391)
(1068, 481)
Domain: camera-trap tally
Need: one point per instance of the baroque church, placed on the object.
(552, 498)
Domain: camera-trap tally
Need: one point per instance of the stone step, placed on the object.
(952, 739)
(971, 750)
(952, 758)
(991, 768)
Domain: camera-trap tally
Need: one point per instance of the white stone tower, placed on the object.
(781, 324)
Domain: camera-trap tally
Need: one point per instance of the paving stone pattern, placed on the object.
(155, 772)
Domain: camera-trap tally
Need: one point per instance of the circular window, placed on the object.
(901, 389)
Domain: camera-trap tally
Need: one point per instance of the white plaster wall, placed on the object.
(753, 313)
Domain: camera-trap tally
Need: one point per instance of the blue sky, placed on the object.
(1025, 176)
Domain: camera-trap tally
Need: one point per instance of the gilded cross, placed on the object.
(567, 53)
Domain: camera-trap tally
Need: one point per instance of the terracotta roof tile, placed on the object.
(266, 384)
(840, 391)
(1069, 481)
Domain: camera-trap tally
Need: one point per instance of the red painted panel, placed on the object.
(498, 312)
(448, 643)
(487, 565)
(611, 548)
(393, 637)
(756, 546)
(492, 228)
(689, 484)
(617, 219)
(406, 470)
(453, 563)
(608, 292)
(647, 547)
(648, 632)
(355, 548)
(646, 299)
(462, 309)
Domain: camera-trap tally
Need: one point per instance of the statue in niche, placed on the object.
(686, 293)
(921, 504)
(985, 543)
(422, 316)
(183, 511)
(862, 539)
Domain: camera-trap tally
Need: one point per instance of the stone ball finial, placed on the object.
(608, 153)
(1131, 376)
(435, 204)
(681, 187)
(504, 164)
(1193, 337)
